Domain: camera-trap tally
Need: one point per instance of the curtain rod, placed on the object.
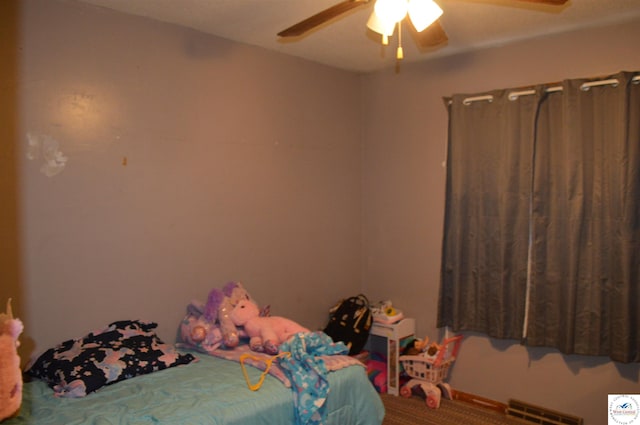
(514, 95)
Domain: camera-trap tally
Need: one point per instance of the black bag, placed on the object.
(350, 322)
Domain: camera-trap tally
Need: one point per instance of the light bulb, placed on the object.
(423, 13)
(379, 25)
(391, 10)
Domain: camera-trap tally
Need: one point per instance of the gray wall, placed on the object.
(192, 161)
(403, 201)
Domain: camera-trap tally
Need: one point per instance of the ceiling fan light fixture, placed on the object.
(423, 13)
(381, 26)
(391, 10)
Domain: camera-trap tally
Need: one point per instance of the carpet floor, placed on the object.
(414, 411)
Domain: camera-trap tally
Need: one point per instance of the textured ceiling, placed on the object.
(346, 43)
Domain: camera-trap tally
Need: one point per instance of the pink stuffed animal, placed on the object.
(219, 305)
(10, 373)
(265, 333)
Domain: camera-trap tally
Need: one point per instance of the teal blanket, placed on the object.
(211, 391)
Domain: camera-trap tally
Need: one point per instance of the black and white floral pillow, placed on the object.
(122, 350)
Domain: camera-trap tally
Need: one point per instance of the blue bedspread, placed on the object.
(211, 391)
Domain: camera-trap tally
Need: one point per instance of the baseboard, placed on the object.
(480, 401)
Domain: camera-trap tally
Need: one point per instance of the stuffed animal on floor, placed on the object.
(219, 305)
(265, 333)
(10, 373)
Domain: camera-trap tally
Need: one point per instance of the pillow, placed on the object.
(122, 350)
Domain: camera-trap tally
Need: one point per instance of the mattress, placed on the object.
(209, 391)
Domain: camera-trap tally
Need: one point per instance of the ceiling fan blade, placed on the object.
(321, 17)
(431, 36)
(549, 2)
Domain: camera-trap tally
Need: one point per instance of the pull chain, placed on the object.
(399, 52)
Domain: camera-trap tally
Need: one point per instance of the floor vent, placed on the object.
(540, 415)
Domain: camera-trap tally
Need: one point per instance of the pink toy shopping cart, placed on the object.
(429, 373)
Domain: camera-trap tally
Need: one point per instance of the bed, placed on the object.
(202, 389)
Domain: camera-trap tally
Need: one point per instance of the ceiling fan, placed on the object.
(429, 35)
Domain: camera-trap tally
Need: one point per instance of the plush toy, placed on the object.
(207, 327)
(219, 305)
(431, 352)
(417, 346)
(198, 333)
(265, 333)
(10, 373)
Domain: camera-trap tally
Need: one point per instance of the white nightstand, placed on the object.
(387, 340)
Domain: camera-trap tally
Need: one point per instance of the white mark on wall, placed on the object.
(48, 148)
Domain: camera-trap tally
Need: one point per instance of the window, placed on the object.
(542, 221)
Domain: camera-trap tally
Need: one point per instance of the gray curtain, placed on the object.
(542, 222)
(489, 168)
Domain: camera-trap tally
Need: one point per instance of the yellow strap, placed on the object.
(268, 362)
